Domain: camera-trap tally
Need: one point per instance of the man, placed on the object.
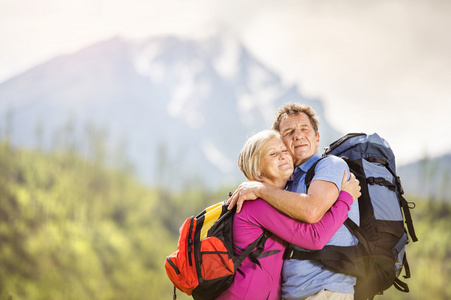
(302, 279)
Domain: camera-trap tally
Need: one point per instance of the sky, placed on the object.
(378, 66)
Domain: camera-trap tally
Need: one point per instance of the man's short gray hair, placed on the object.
(289, 109)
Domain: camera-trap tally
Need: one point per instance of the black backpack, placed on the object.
(378, 258)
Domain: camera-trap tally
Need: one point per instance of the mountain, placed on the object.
(178, 109)
(429, 178)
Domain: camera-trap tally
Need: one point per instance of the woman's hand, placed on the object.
(351, 186)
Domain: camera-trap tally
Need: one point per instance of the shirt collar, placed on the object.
(304, 167)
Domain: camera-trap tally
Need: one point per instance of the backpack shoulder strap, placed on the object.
(259, 243)
(358, 232)
(311, 173)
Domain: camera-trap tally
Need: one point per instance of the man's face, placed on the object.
(299, 137)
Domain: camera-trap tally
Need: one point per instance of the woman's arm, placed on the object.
(310, 236)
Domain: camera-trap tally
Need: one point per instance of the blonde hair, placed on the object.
(289, 109)
(249, 158)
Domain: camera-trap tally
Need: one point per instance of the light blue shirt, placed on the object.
(302, 278)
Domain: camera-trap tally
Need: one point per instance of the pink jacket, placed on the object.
(253, 282)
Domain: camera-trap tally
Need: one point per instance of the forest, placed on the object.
(74, 227)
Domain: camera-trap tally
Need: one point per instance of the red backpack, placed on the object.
(204, 263)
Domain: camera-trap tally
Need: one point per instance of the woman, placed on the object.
(265, 158)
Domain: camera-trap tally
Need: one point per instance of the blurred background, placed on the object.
(119, 119)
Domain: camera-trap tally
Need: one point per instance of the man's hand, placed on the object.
(246, 191)
(351, 186)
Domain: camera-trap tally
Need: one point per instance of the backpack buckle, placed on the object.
(288, 254)
(378, 180)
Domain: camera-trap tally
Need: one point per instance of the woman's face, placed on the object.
(276, 163)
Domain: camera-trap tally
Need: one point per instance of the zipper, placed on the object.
(190, 242)
(341, 141)
(177, 271)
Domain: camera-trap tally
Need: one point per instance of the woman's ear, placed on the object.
(259, 175)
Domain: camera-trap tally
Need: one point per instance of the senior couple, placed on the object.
(306, 219)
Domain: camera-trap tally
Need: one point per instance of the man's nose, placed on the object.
(298, 134)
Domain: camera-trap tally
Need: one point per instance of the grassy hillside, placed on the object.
(73, 229)
(430, 257)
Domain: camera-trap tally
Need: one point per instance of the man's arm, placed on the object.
(304, 207)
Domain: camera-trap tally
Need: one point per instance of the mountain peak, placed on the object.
(198, 99)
